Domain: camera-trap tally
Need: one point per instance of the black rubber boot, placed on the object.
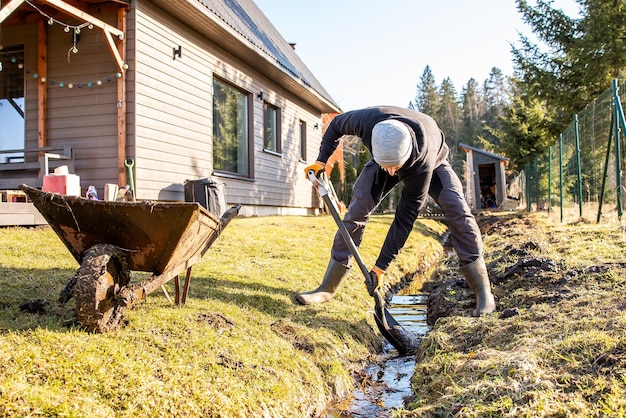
(478, 280)
(335, 273)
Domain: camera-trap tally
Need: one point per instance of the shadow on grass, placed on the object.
(29, 300)
(276, 301)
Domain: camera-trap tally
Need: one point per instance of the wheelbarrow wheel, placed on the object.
(103, 272)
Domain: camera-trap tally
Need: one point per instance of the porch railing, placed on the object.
(18, 159)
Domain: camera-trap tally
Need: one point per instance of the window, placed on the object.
(231, 136)
(12, 102)
(271, 128)
(303, 140)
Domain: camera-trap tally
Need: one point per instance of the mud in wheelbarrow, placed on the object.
(111, 239)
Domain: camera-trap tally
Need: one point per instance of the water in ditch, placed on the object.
(389, 377)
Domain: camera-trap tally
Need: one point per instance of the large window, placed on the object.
(231, 136)
(271, 128)
(12, 124)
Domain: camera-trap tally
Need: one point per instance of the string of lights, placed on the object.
(7, 58)
(52, 21)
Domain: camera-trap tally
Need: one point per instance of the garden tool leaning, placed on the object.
(393, 332)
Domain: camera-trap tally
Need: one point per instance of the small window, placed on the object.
(231, 135)
(303, 140)
(271, 128)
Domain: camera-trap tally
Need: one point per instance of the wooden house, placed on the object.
(164, 90)
(486, 185)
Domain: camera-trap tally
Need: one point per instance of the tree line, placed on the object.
(521, 115)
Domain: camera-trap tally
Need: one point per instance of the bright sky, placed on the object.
(373, 52)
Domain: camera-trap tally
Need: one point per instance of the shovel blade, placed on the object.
(402, 340)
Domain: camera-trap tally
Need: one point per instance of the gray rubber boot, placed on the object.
(478, 280)
(335, 272)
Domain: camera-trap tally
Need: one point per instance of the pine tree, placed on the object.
(449, 116)
(524, 131)
(427, 98)
(474, 109)
(496, 93)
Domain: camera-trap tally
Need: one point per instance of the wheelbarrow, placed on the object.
(111, 239)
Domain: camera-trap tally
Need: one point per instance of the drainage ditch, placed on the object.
(386, 382)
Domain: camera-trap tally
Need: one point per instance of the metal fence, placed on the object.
(581, 175)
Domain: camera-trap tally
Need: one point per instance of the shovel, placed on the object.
(401, 339)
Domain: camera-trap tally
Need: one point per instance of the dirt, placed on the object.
(449, 293)
(554, 347)
(514, 265)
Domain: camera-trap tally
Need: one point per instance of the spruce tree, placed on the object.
(427, 98)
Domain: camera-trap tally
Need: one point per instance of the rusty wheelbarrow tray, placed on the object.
(111, 239)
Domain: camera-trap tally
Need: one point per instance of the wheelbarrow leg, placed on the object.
(177, 287)
(186, 287)
(165, 292)
(180, 300)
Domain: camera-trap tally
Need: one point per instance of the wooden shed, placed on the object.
(179, 90)
(485, 178)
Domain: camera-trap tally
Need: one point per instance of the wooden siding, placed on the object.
(169, 112)
(173, 119)
(84, 118)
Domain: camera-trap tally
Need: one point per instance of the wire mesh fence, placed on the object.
(581, 175)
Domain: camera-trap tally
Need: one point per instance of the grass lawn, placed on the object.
(240, 347)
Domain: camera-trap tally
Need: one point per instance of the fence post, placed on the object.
(537, 194)
(618, 158)
(549, 179)
(529, 199)
(561, 174)
(606, 162)
(578, 169)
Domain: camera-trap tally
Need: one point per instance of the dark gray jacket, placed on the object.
(429, 152)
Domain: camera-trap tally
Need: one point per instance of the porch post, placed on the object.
(121, 102)
(42, 91)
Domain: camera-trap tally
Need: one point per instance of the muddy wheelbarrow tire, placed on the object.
(103, 272)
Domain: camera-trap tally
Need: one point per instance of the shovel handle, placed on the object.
(322, 190)
(393, 332)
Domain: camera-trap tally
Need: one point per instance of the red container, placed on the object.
(65, 184)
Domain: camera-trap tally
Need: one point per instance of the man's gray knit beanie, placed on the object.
(391, 143)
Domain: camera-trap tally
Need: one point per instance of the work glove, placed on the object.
(317, 167)
(375, 280)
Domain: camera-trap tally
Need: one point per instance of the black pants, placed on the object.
(445, 188)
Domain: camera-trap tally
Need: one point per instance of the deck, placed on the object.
(20, 214)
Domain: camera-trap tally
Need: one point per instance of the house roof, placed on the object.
(242, 28)
(468, 148)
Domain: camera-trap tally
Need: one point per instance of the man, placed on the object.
(407, 146)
